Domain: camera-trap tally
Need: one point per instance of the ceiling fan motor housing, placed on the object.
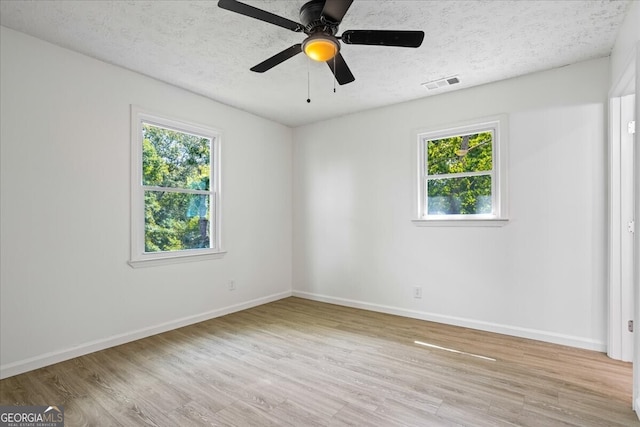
(311, 18)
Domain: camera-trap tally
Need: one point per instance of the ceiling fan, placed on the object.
(319, 21)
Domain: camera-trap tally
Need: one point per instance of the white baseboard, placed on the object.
(636, 407)
(21, 366)
(534, 334)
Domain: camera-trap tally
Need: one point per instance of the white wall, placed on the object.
(541, 276)
(65, 284)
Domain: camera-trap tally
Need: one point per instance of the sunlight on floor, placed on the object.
(454, 351)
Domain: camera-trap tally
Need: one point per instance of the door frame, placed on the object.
(620, 341)
(636, 247)
(628, 83)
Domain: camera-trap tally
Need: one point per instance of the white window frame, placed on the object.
(140, 258)
(498, 125)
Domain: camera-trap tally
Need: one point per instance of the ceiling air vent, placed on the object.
(440, 83)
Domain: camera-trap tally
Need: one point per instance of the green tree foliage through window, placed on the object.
(176, 172)
(458, 174)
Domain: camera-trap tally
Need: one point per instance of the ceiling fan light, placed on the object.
(321, 48)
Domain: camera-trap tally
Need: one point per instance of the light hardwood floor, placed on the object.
(303, 363)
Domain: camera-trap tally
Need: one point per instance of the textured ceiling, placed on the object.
(208, 50)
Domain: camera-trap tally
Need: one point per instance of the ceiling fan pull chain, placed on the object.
(334, 77)
(308, 83)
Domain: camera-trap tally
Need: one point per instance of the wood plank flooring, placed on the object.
(302, 363)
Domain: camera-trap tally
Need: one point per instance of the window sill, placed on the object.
(485, 222)
(175, 259)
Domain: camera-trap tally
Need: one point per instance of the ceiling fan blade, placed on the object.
(277, 58)
(262, 15)
(383, 37)
(341, 70)
(334, 10)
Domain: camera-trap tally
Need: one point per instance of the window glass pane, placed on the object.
(455, 196)
(176, 221)
(463, 153)
(175, 159)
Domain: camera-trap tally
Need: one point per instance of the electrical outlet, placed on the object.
(417, 292)
(231, 285)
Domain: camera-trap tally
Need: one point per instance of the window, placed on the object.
(175, 191)
(461, 176)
